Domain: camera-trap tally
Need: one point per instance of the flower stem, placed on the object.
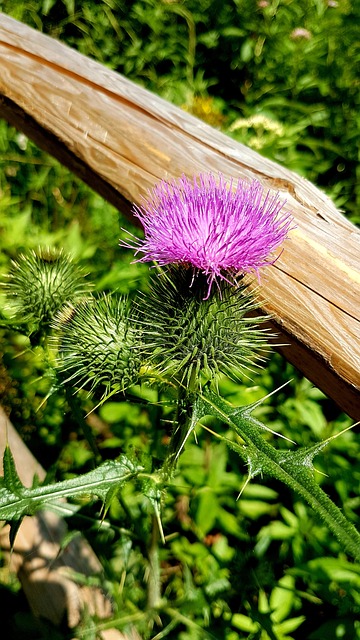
(78, 416)
(184, 423)
(154, 585)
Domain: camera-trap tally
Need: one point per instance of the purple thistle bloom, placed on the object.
(205, 223)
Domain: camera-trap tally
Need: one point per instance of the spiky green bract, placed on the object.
(40, 283)
(190, 337)
(96, 345)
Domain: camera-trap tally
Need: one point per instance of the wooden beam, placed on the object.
(121, 139)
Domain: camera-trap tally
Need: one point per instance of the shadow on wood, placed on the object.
(121, 139)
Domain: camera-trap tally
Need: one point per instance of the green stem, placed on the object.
(154, 584)
(80, 420)
(184, 422)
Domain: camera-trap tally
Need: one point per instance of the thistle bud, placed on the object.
(40, 283)
(191, 335)
(97, 345)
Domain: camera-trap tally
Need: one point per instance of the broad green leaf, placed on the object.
(207, 509)
(282, 598)
(277, 530)
(288, 626)
(254, 508)
(230, 523)
(244, 623)
(336, 569)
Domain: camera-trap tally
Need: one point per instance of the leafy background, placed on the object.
(282, 77)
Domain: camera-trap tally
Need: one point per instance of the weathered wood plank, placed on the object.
(121, 139)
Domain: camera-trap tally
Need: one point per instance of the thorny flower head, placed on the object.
(96, 345)
(217, 227)
(191, 339)
(41, 282)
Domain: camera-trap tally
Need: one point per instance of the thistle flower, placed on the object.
(96, 345)
(210, 226)
(41, 282)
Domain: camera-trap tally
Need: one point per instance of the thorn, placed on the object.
(189, 431)
(244, 487)
(258, 402)
(159, 523)
(326, 475)
(336, 435)
(102, 400)
(275, 433)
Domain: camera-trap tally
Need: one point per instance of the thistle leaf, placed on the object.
(11, 480)
(292, 468)
(14, 528)
(153, 491)
(100, 482)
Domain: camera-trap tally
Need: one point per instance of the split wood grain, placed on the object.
(121, 139)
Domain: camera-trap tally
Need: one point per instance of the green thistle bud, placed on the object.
(96, 346)
(41, 282)
(188, 335)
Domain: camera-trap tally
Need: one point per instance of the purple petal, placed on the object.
(215, 226)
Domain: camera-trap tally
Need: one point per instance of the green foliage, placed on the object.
(261, 566)
(294, 468)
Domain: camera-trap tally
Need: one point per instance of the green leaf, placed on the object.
(292, 468)
(47, 6)
(14, 528)
(278, 530)
(282, 598)
(244, 623)
(152, 488)
(16, 504)
(336, 570)
(288, 626)
(255, 509)
(12, 481)
(229, 523)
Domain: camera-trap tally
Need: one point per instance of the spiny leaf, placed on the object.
(305, 455)
(291, 468)
(14, 528)
(12, 481)
(153, 490)
(114, 473)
